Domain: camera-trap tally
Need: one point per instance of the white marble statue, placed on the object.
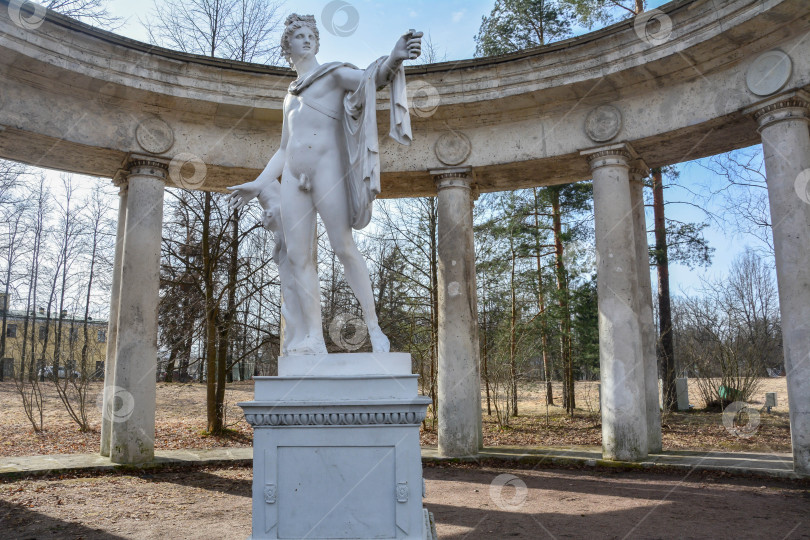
(329, 163)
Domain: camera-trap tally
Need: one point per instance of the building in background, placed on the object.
(46, 329)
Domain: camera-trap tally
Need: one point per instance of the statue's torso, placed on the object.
(313, 125)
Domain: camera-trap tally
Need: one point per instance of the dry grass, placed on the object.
(180, 422)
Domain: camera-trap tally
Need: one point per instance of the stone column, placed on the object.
(638, 171)
(783, 125)
(133, 415)
(112, 325)
(621, 359)
(459, 383)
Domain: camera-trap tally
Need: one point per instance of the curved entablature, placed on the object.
(79, 99)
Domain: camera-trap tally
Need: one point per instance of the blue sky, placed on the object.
(452, 25)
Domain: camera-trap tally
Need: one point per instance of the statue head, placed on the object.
(293, 23)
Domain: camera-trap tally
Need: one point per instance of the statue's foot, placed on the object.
(379, 342)
(310, 345)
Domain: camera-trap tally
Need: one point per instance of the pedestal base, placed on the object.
(336, 449)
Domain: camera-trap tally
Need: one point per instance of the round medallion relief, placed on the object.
(154, 135)
(453, 148)
(603, 123)
(768, 73)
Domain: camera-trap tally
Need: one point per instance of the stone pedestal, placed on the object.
(682, 393)
(336, 449)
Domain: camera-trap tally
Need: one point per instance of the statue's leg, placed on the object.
(298, 221)
(290, 310)
(332, 202)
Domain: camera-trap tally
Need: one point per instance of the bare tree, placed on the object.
(743, 197)
(96, 229)
(14, 251)
(730, 333)
(254, 26)
(430, 52)
(89, 11)
(242, 30)
(410, 228)
(26, 381)
(11, 175)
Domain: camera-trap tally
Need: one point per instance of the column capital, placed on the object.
(793, 105)
(619, 154)
(120, 180)
(452, 177)
(639, 170)
(147, 166)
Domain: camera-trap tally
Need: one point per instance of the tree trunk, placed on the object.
(666, 352)
(5, 318)
(485, 355)
(541, 302)
(222, 372)
(85, 329)
(169, 377)
(513, 329)
(211, 319)
(31, 291)
(569, 400)
(434, 302)
(226, 324)
(242, 366)
(185, 359)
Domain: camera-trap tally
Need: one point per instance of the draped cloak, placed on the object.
(359, 120)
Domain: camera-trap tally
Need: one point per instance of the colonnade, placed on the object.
(631, 418)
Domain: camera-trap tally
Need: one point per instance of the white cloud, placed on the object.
(413, 14)
(458, 15)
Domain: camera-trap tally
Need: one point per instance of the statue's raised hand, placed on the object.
(408, 47)
(239, 196)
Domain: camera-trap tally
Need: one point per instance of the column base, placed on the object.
(336, 449)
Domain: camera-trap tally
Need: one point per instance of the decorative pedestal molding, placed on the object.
(336, 449)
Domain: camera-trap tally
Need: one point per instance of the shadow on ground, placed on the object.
(20, 523)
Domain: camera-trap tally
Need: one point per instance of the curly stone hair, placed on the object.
(293, 23)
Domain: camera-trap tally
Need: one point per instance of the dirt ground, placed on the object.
(180, 422)
(467, 503)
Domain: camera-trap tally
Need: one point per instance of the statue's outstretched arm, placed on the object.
(408, 47)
